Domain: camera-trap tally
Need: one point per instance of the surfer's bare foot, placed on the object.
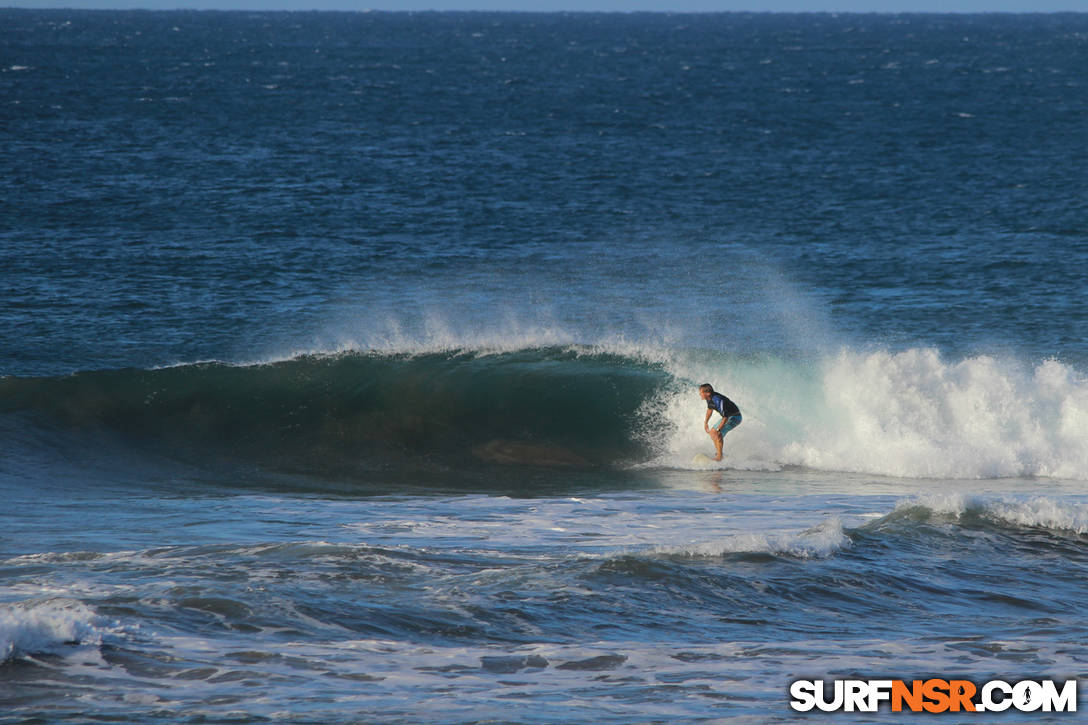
(718, 457)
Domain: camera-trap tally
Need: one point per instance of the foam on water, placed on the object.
(907, 414)
(45, 627)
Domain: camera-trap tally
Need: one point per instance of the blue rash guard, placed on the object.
(727, 409)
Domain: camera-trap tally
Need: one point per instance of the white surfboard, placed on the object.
(702, 459)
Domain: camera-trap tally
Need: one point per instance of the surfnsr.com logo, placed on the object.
(934, 695)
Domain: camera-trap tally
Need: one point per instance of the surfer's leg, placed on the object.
(718, 434)
(732, 422)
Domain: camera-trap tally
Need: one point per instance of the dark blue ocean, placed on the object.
(348, 362)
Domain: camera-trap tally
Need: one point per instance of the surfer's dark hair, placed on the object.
(706, 388)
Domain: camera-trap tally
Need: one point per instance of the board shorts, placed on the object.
(729, 424)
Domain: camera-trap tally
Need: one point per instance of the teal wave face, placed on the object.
(547, 407)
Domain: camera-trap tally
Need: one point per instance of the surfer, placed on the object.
(716, 402)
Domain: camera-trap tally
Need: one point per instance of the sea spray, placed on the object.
(909, 414)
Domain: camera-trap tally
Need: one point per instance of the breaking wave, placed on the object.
(906, 414)
(45, 627)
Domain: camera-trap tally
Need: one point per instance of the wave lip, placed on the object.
(1039, 512)
(354, 412)
(46, 627)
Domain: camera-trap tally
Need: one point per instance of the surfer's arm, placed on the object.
(706, 420)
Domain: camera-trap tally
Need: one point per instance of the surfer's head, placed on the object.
(705, 391)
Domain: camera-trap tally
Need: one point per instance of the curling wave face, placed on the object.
(910, 414)
(352, 411)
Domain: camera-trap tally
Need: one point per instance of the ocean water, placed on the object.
(348, 362)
